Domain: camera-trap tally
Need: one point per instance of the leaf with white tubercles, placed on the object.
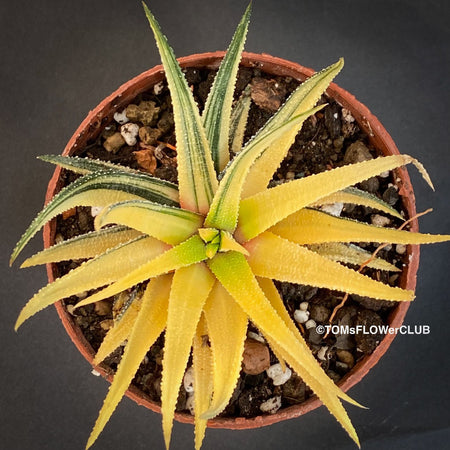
(238, 121)
(252, 300)
(259, 212)
(150, 322)
(97, 189)
(190, 289)
(197, 180)
(203, 383)
(216, 115)
(83, 246)
(300, 101)
(309, 226)
(224, 209)
(166, 223)
(104, 269)
(184, 254)
(227, 325)
(356, 196)
(296, 264)
(352, 254)
(88, 165)
(120, 331)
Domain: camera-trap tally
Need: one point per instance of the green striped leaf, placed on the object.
(98, 189)
(356, 196)
(197, 180)
(238, 121)
(224, 210)
(88, 165)
(351, 254)
(166, 223)
(216, 115)
(84, 246)
(300, 101)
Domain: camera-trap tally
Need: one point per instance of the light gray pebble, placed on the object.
(272, 405)
(188, 380)
(379, 220)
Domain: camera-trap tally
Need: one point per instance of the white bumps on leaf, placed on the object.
(121, 117)
(129, 132)
(275, 372)
(188, 380)
(272, 405)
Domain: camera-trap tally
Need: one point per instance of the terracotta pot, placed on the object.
(103, 113)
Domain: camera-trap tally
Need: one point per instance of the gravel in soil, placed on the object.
(328, 139)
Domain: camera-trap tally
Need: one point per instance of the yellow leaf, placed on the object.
(203, 384)
(119, 333)
(185, 254)
(97, 272)
(149, 324)
(227, 325)
(190, 288)
(166, 223)
(303, 99)
(309, 226)
(263, 210)
(274, 257)
(84, 246)
(248, 294)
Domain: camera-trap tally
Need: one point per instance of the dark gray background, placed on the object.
(60, 58)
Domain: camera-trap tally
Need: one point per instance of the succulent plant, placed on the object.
(203, 254)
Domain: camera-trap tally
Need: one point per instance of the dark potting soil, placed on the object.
(330, 138)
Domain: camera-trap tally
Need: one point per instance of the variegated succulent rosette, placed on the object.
(212, 245)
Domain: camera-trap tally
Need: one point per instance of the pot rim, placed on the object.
(378, 136)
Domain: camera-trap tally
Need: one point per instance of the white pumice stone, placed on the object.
(400, 249)
(95, 373)
(275, 372)
(190, 404)
(158, 87)
(321, 353)
(188, 380)
(304, 306)
(272, 405)
(380, 221)
(311, 323)
(96, 210)
(121, 117)
(301, 316)
(384, 174)
(334, 209)
(129, 132)
(256, 337)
